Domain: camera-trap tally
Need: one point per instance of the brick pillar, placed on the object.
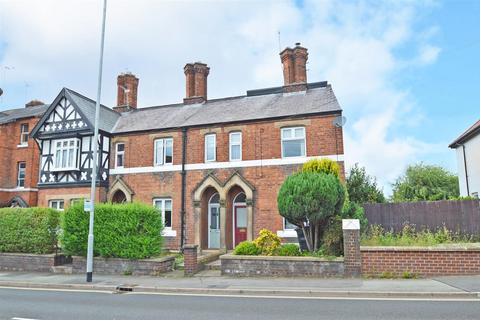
(190, 259)
(351, 247)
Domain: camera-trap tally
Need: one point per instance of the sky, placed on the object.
(406, 73)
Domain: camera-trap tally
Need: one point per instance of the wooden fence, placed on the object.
(462, 216)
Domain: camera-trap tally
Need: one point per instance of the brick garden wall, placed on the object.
(28, 262)
(420, 261)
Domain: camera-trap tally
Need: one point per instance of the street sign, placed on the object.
(87, 206)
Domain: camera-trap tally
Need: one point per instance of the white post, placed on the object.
(95, 152)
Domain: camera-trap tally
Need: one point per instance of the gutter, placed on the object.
(184, 186)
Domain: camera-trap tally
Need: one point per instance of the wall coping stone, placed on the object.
(278, 258)
(160, 259)
(27, 254)
(449, 248)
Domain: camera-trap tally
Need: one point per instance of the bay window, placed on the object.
(66, 154)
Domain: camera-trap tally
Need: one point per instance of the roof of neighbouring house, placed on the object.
(22, 113)
(256, 105)
(467, 135)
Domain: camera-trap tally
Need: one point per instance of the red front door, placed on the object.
(240, 224)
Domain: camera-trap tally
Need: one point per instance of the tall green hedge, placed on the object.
(28, 230)
(131, 231)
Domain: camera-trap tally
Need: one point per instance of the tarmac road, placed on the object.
(52, 305)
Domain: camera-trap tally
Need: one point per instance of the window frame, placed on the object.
(285, 226)
(164, 154)
(117, 153)
(76, 148)
(230, 145)
(24, 134)
(24, 174)
(162, 209)
(282, 139)
(214, 135)
(57, 201)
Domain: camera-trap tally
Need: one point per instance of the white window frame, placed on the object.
(24, 135)
(24, 174)
(286, 233)
(237, 144)
(76, 148)
(117, 153)
(214, 147)
(57, 204)
(294, 138)
(164, 154)
(167, 231)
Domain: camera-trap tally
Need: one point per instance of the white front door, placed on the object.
(214, 226)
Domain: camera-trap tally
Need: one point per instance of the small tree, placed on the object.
(322, 166)
(425, 183)
(363, 188)
(310, 199)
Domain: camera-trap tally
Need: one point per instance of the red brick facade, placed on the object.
(11, 153)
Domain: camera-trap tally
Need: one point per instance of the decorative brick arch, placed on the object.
(210, 181)
(120, 185)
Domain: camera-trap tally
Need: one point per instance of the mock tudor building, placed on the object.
(213, 167)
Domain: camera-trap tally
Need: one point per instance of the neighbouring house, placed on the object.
(213, 167)
(19, 155)
(467, 146)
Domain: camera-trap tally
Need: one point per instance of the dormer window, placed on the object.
(65, 157)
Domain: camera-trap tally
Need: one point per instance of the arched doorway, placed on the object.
(240, 219)
(119, 197)
(214, 221)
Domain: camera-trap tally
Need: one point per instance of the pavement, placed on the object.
(211, 282)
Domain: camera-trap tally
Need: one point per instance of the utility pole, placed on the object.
(95, 152)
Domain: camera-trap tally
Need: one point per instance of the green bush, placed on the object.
(289, 249)
(131, 231)
(267, 242)
(246, 248)
(326, 166)
(28, 230)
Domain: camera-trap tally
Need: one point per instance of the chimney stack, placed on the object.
(127, 87)
(34, 103)
(196, 82)
(294, 63)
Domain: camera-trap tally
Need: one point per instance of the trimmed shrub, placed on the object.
(326, 166)
(268, 242)
(246, 248)
(289, 250)
(131, 231)
(28, 230)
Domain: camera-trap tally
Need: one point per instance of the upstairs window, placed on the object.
(120, 155)
(66, 154)
(235, 146)
(210, 147)
(163, 151)
(24, 134)
(21, 174)
(165, 206)
(293, 142)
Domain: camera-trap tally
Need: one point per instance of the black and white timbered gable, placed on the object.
(65, 135)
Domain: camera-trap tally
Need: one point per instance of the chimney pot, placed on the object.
(34, 103)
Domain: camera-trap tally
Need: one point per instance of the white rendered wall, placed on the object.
(472, 154)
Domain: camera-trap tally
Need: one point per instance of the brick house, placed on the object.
(19, 155)
(213, 167)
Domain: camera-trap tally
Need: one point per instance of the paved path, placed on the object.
(53, 305)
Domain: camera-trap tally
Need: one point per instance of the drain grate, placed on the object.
(124, 288)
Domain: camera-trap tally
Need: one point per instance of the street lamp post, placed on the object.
(95, 152)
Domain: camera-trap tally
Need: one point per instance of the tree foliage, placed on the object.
(322, 166)
(423, 182)
(309, 198)
(362, 188)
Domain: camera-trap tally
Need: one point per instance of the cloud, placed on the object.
(353, 45)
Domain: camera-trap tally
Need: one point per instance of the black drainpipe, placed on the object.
(184, 186)
(466, 171)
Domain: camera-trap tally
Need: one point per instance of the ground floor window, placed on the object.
(165, 206)
(287, 225)
(56, 204)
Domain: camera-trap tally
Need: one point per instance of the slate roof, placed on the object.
(316, 100)
(108, 117)
(467, 135)
(21, 113)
